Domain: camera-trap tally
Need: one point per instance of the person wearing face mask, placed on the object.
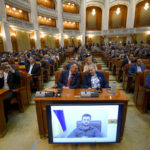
(95, 79)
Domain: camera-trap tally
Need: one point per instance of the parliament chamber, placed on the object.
(89, 54)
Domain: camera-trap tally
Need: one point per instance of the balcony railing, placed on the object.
(23, 4)
(48, 29)
(70, 16)
(72, 32)
(20, 23)
(47, 12)
(119, 31)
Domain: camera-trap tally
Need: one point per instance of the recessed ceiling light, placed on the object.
(45, 18)
(68, 3)
(20, 11)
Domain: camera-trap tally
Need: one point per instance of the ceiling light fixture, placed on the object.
(20, 11)
(14, 9)
(118, 11)
(49, 19)
(93, 12)
(146, 6)
(68, 3)
(7, 6)
(45, 18)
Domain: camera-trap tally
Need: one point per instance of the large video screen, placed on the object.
(84, 123)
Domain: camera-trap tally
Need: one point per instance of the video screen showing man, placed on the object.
(85, 129)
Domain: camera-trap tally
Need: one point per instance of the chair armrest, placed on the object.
(19, 89)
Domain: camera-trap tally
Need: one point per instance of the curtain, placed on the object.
(23, 41)
(50, 42)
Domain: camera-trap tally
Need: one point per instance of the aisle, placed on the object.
(113, 78)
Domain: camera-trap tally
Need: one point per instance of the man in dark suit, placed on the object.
(33, 68)
(95, 79)
(135, 68)
(70, 78)
(10, 79)
(128, 60)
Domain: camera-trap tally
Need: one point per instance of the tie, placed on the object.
(69, 80)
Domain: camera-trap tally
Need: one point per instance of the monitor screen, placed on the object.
(84, 123)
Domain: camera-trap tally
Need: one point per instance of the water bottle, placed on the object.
(113, 88)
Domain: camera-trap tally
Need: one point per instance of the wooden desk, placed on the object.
(3, 126)
(71, 96)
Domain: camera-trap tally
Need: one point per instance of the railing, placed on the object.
(95, 2)
(72, 32)
(48, 29)
(119, 31)
(20, 23)
(23, 4)
(73, 1)
(71, 16)
(47, 12)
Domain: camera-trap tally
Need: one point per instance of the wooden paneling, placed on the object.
(123, 17)
(71, 25)
(1, 42)
(97, 18)
(32, 40)
(43, 43)
(46, 21)
(46, 3)
(139, 14)
(117, 39)
(13, 40)
(17, 14)
(72, 8)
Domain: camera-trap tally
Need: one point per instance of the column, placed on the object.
(34, 20)
(131, 14)
(83, 21)
(106, 40)
(5, 28)
(129, 38)
(105, 16)
(60, 22)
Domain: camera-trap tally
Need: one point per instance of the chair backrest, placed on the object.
(106, 74)
(95, 123)
(57, 75)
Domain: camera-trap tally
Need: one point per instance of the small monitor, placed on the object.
(84, 123)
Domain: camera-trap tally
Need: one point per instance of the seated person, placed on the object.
(135, 68)
(89, 62)
(85, 129)
(147, 80)
(10, 78)
(70, 78)
(33, 69)
(128, 60)
(95, 79)
(71, 60)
